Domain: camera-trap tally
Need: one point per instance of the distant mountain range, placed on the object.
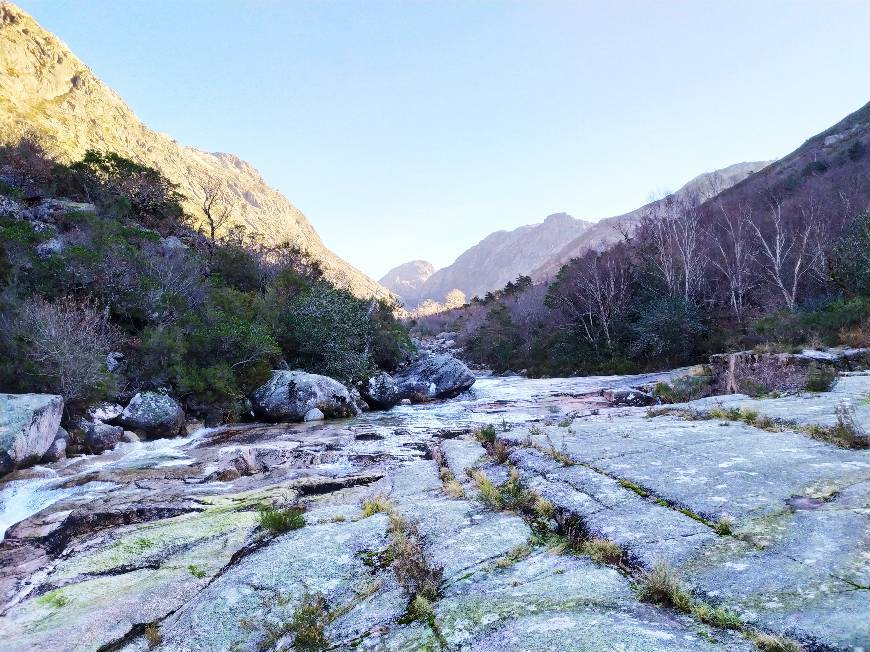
(46, 91)
(538, 250)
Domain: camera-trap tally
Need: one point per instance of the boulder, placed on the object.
(158, 415)
(380, 391)
(101, 436)
(627, 397)
(57, 451)
(105, 412)
(358, 400)
(28, 426)
(130, 437)
(114, 361)
(290, 395)
(313, 415)
(438, 375)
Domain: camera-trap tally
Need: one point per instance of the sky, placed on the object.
(411, 130)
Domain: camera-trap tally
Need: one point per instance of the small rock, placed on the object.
(314, 415)
(101, 436)
(627, 397)
(130, 437)
(57, 451)
(114, 361)
(405, 401)
(105, 412)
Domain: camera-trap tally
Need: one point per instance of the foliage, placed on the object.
(821, 378)
(61, 347)
(278, 520)
(308, 624)
(207, 321)
(850, 258)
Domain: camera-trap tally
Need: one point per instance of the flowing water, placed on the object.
(492, 400)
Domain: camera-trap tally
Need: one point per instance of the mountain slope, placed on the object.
(407, 280)
(45, 90)
(610, 229)
(501, 257)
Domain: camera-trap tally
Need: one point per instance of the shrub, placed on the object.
(64, 346)
(821, 378)
(667, 330)
(681, 390)
(486, 434)
(308, 624)
(278, 520)
(850, 258)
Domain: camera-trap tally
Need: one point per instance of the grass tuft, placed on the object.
(152, 635)
(308, 624)
(660, 585)
(486, 435)
(768, 643)
(602, 551)
(281, 520)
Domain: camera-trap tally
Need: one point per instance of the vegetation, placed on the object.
(278, 520)
(206, 318)
(688, 281)
(308, 624)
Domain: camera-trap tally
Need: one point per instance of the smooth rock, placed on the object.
(130, 437)
(157, 414)
(57, 451)
(101, 436)
(290, 395)
(28, 426)
(434, 376)
(380, 391)
(314, 415)
(105, 412)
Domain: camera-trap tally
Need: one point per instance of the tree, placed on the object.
(786, 248)
(733, 255)
(65, 343)
(216, 208)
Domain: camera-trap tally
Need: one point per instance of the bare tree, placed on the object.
(786, 250)
(733, 255)
(215, 206)
(67, 342)
(674, 229)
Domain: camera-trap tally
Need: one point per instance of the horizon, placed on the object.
(393, 128)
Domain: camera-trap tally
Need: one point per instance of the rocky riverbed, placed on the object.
(538, 510)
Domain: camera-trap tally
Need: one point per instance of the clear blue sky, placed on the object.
(408, 129)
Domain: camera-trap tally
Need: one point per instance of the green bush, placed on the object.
(821, 378)
(278, 521)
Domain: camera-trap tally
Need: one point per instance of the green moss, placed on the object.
(54, 599)
(196, 571)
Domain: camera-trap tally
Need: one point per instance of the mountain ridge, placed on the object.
(47, 92)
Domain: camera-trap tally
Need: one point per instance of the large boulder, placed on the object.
(290, 395)
(28, 426)
(158, 415)
(437, 375)
(380, 391)
(627, 397)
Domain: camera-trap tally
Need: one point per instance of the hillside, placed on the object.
(407, 280)
(500, 257)
(46, 91)
(610, 229)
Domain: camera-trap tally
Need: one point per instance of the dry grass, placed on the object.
(660, 585)
(152, 636)
(768, 643)
(602, 551)
(377, 505)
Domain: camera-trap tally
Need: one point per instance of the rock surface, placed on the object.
(434, 376)
(101, 436)
(290, 395)
(380, 391)
(158, 415)
(169, 532)
(629, 397)
(28, 426)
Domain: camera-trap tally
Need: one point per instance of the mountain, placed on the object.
(406, 280)
(609, 230)
(46, 91)
(498, 258)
